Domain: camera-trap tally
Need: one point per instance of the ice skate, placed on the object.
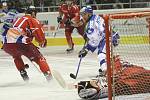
(48, 76)
(24, 75)
(101, 73)
(70, 50)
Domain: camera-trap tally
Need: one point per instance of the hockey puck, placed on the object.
(72, 76)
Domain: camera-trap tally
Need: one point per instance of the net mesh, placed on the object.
(133, 77)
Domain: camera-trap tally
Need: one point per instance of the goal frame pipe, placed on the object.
(108, 59)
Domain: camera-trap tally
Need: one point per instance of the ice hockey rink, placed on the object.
(12, 87)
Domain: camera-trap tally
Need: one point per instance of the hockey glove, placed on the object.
(115, 39)
(59, 19)
(43, 44)
(83, 53)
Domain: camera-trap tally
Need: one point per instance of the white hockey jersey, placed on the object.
(95, 32)
(9, 17)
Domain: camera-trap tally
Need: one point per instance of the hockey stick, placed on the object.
(71, 74)
(75, 76)
(54, 34)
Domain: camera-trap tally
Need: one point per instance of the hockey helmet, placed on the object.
(31, 9)
(4, 4)
(88, 9)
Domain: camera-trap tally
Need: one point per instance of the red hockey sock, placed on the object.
(19, 63)
(43, 64)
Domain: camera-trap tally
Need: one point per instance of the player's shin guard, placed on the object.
(102, 61)
(103, 67)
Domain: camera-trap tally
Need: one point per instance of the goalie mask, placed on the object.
(88, 90)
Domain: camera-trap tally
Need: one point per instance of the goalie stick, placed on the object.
(60, 80)
(57, 76)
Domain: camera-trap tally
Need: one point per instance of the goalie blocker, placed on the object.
(129, 79)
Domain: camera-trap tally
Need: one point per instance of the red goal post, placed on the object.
(134, 31)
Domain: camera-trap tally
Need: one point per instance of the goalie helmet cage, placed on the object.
(134, 47)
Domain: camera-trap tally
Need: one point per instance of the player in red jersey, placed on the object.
(18, 42)
(71, 18)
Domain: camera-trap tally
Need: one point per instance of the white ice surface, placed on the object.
(12, 87)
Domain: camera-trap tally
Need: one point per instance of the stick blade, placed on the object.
(72, 76)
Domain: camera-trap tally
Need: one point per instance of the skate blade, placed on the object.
(68, 52)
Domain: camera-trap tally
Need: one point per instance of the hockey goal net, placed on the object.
(133, 80)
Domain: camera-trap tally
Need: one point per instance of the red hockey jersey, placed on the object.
(26, 28)
(70, 12)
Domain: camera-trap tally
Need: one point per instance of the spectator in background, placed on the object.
(3, 8)
(118, 5)
(107, 4)
(125, 3)
(91, 2)
(139, 3)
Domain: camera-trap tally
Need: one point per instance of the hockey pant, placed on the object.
(16, 50)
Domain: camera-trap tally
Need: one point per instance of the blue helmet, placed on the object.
(88, 9)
